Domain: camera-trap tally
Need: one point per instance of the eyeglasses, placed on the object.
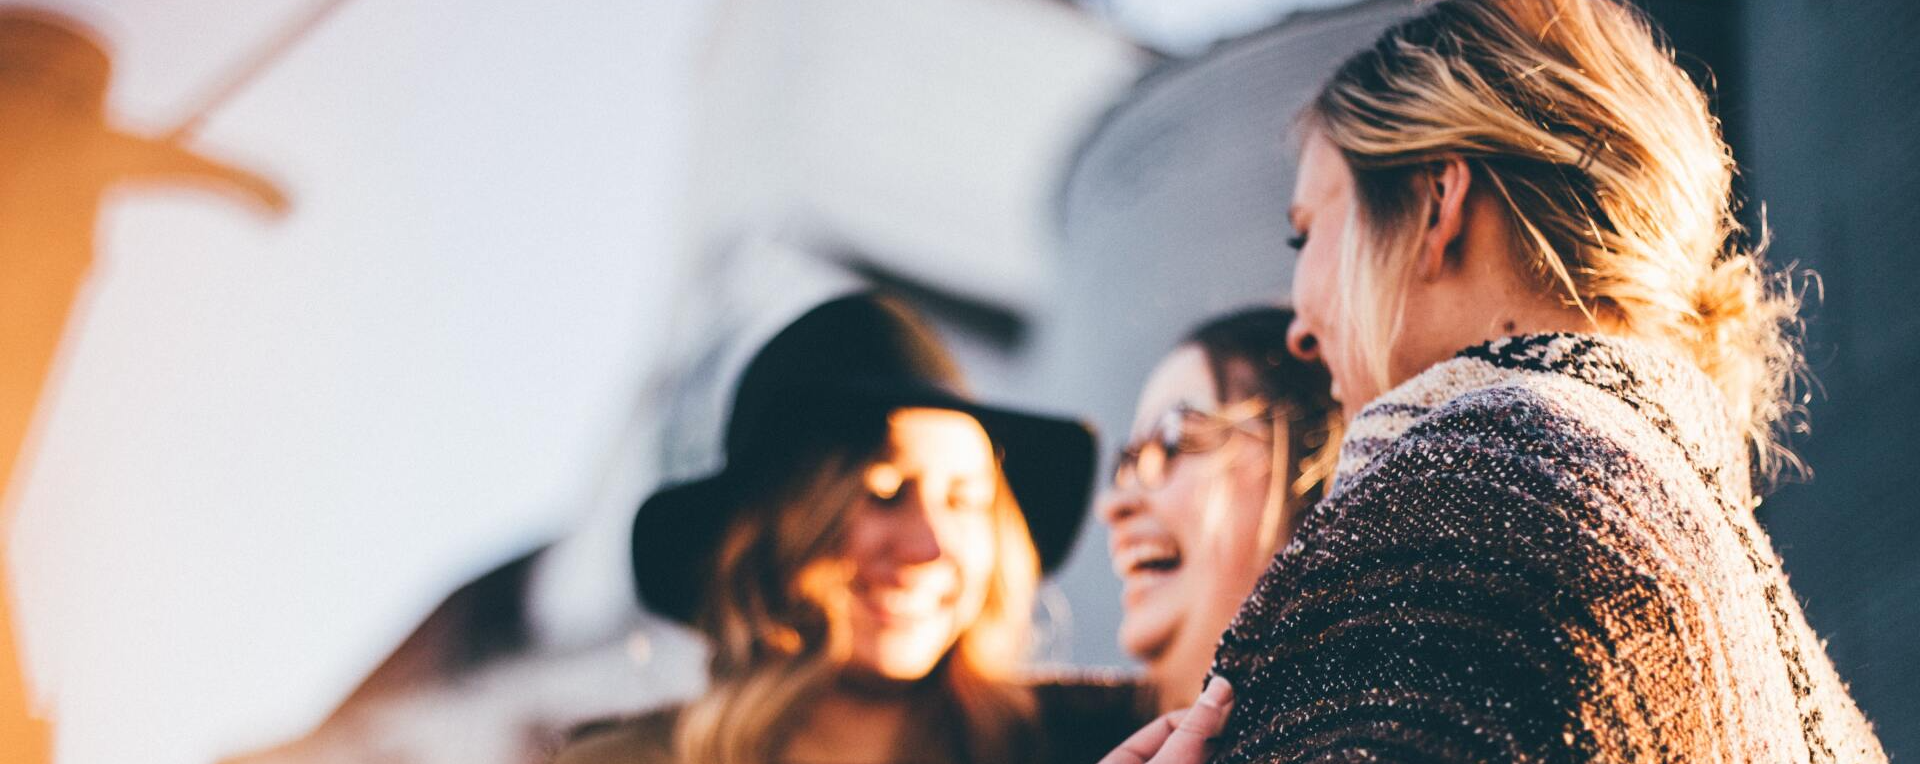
(1146, 462)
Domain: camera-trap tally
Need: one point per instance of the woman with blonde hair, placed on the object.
(865, 564)
(1519, 259)
(1233, 440)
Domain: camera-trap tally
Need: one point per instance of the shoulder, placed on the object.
(1539, 416)
(1540, 480)
(1536, 444)
(1083, 715)
(1520, 502)
(643, 739)
(1475, 581)
(1521, 508)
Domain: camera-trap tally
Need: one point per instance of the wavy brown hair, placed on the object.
(1247, 357)
(777, 622)
(1609, 164)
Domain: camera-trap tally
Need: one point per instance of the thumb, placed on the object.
(1191, 740)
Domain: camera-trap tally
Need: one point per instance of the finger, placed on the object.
(1142, 745)
(1188, 742)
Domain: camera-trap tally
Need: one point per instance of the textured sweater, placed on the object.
(1542, 550)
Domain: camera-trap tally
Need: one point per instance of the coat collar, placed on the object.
(1671, 393)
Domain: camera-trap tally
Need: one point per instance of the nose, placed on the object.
(915, 540)
(1301, 342)
(1115, 504)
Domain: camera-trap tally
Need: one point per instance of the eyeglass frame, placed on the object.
(1169, 432)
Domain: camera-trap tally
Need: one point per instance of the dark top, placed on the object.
(1542, 550)
(1078, 721)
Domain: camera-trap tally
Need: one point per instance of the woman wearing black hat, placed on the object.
(865, 565)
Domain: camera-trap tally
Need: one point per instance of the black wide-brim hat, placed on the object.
(845, 360)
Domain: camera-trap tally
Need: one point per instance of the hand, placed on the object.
(1179, 737)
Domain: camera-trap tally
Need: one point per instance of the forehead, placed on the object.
(929, 438)
(1181, 377)
(1322, 176)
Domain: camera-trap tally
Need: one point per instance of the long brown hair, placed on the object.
(778, 625)
(1610, 167)
(1247, 357)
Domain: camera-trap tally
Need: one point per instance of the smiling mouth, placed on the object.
(892, 605)
(1146, 557)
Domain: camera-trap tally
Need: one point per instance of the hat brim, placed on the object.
(1048, 463)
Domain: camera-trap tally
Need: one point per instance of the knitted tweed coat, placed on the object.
(1540, 550)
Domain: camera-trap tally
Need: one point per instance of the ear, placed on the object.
(1446, 217)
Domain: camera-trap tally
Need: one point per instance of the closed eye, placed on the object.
(1297, 241)
(885, 483)
(968, 495)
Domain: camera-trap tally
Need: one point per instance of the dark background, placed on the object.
(1821, 102)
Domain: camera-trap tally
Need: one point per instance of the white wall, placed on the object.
(278, 443)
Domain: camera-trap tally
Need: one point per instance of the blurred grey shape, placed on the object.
(916, 139)
(1196, 162)
(1186, 27)
(1172, 210)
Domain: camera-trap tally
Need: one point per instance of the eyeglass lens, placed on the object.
(1146, 462)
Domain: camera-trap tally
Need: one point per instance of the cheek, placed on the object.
(1181, 504)
(970, 542)
(1304, 279)
(1214, 506)
(1242, 540)
(1312, 292)
(865, 537)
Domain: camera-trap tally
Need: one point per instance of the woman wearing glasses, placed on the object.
(1230, 443)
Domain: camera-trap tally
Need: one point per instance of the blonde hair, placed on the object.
(779, 636)
(1610, 167)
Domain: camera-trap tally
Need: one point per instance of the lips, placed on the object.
(891, 604)
(1145, 555)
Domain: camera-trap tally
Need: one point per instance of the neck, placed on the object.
(849, 725)
(1176, 676)
(1536, 320)
(1476, 306)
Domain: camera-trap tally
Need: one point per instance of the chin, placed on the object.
(904, 659)
(1145, 642)
(897, 668)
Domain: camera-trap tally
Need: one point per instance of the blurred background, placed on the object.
(398, 309)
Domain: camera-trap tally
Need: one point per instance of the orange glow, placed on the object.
(58, 156)
(23, 738)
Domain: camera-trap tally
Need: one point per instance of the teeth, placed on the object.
(904, 601)
(1136, 554)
